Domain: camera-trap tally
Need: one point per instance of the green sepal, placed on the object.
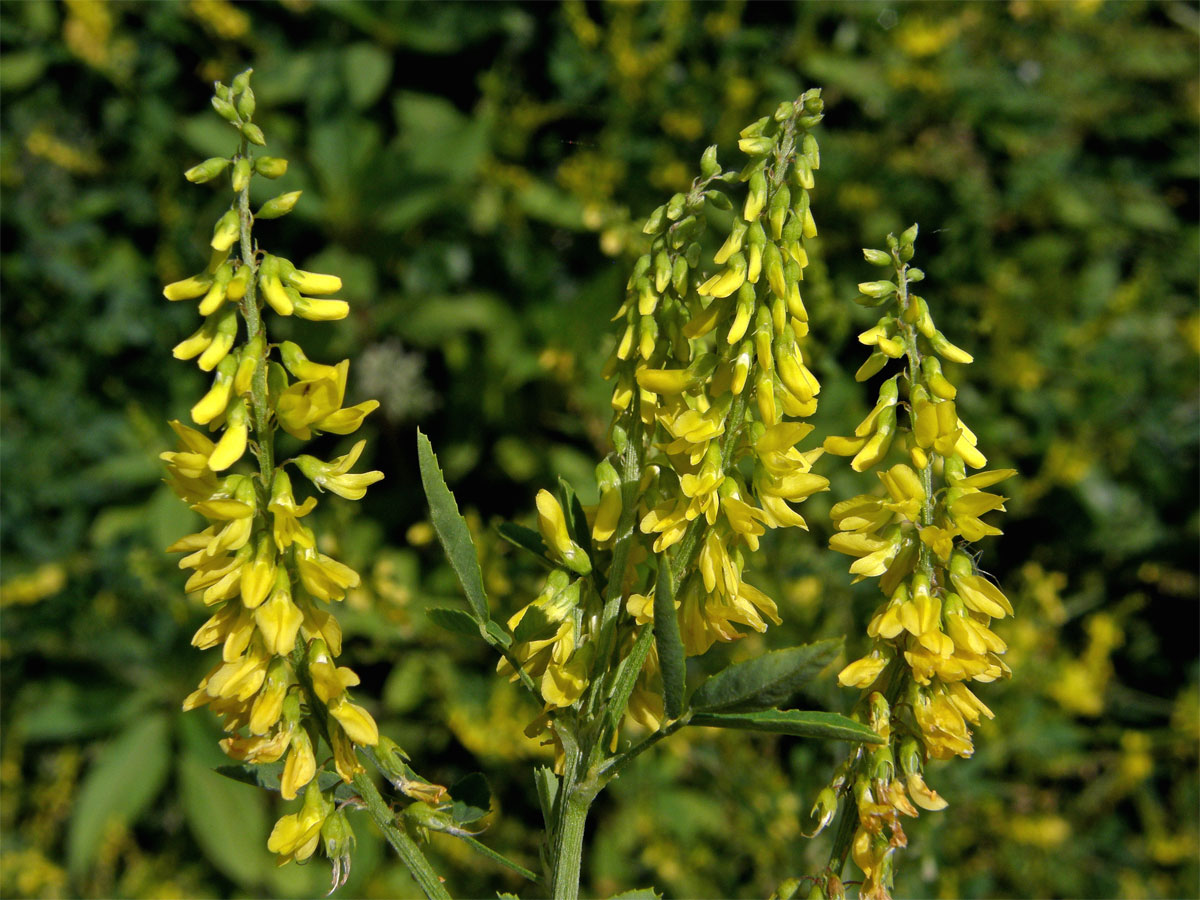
(796, 722)
(764, 681)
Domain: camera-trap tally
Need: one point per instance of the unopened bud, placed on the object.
(207, 170)
(253, 134)
(270, 166)
(241, 175)
(278, 206)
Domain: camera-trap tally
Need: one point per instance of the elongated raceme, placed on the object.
(710, 377)
(276, 687)
(931, 635)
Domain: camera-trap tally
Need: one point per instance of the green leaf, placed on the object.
(627, 675)
(577, 525)
(210, 804)
(367, 70)
(547, 791)
(455, 620)
(495, 634)
(527, 539)
(268, 775)
(800, 723)
(472, 799)
(637, 894)
(670, 646)
(452, 529)
(765, 681)
(127, 776)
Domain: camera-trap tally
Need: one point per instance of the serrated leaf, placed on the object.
(454, 620)
(527, 539)
(210, 804)
(796, 722)
(765, 681)
(637, 894)
(127, 775)
(452, 529)
(547, 791)
(472, 799)
(670, 646)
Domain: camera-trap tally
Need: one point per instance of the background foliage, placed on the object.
(472, 171)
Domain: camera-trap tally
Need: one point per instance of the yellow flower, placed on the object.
(334, 475)
(552, 523)
(295, 836)
(286, 514)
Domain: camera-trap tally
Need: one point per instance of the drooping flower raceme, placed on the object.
(256, 565)
(931, 635)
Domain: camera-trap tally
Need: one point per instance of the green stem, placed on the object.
(568, 850)
(844, 838)
(612, 767)
(410, 854)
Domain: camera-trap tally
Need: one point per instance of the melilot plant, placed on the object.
(710, 390)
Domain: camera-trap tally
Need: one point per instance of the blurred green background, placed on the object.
(477, 173)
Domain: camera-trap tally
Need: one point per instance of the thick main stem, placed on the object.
(568, 847)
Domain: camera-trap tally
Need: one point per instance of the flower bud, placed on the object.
(207, 170)
(271, 166)
(240, 82)
(245, 104)
(225, 232)
(709, 167)
(241, 175)
(253, 134)
(225, 110)
(278, 206)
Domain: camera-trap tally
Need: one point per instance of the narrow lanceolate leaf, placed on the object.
(454, 620)
(670, 646)
(547, 791)
(799, 723)
(452, 529)
(527, 539)
(210, 803)
(627, 674)
(765, 681)
(127, 775)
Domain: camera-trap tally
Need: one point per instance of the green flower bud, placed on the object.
(207, 170)
(877, 257)
(245, 104)
(221, 90)
(709, 167)
(253, 134)
(278, 206)
(225, 110)
(718, 199)
(241, 81)
(675, 206)
(241, 175)
(270, 166)
(654, 224)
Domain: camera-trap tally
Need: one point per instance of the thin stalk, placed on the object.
(410, 854)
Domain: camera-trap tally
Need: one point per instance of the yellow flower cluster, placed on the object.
(931, 635)
(709, 380)
(256, 565)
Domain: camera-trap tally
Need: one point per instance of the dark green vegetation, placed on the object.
(473, 172)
